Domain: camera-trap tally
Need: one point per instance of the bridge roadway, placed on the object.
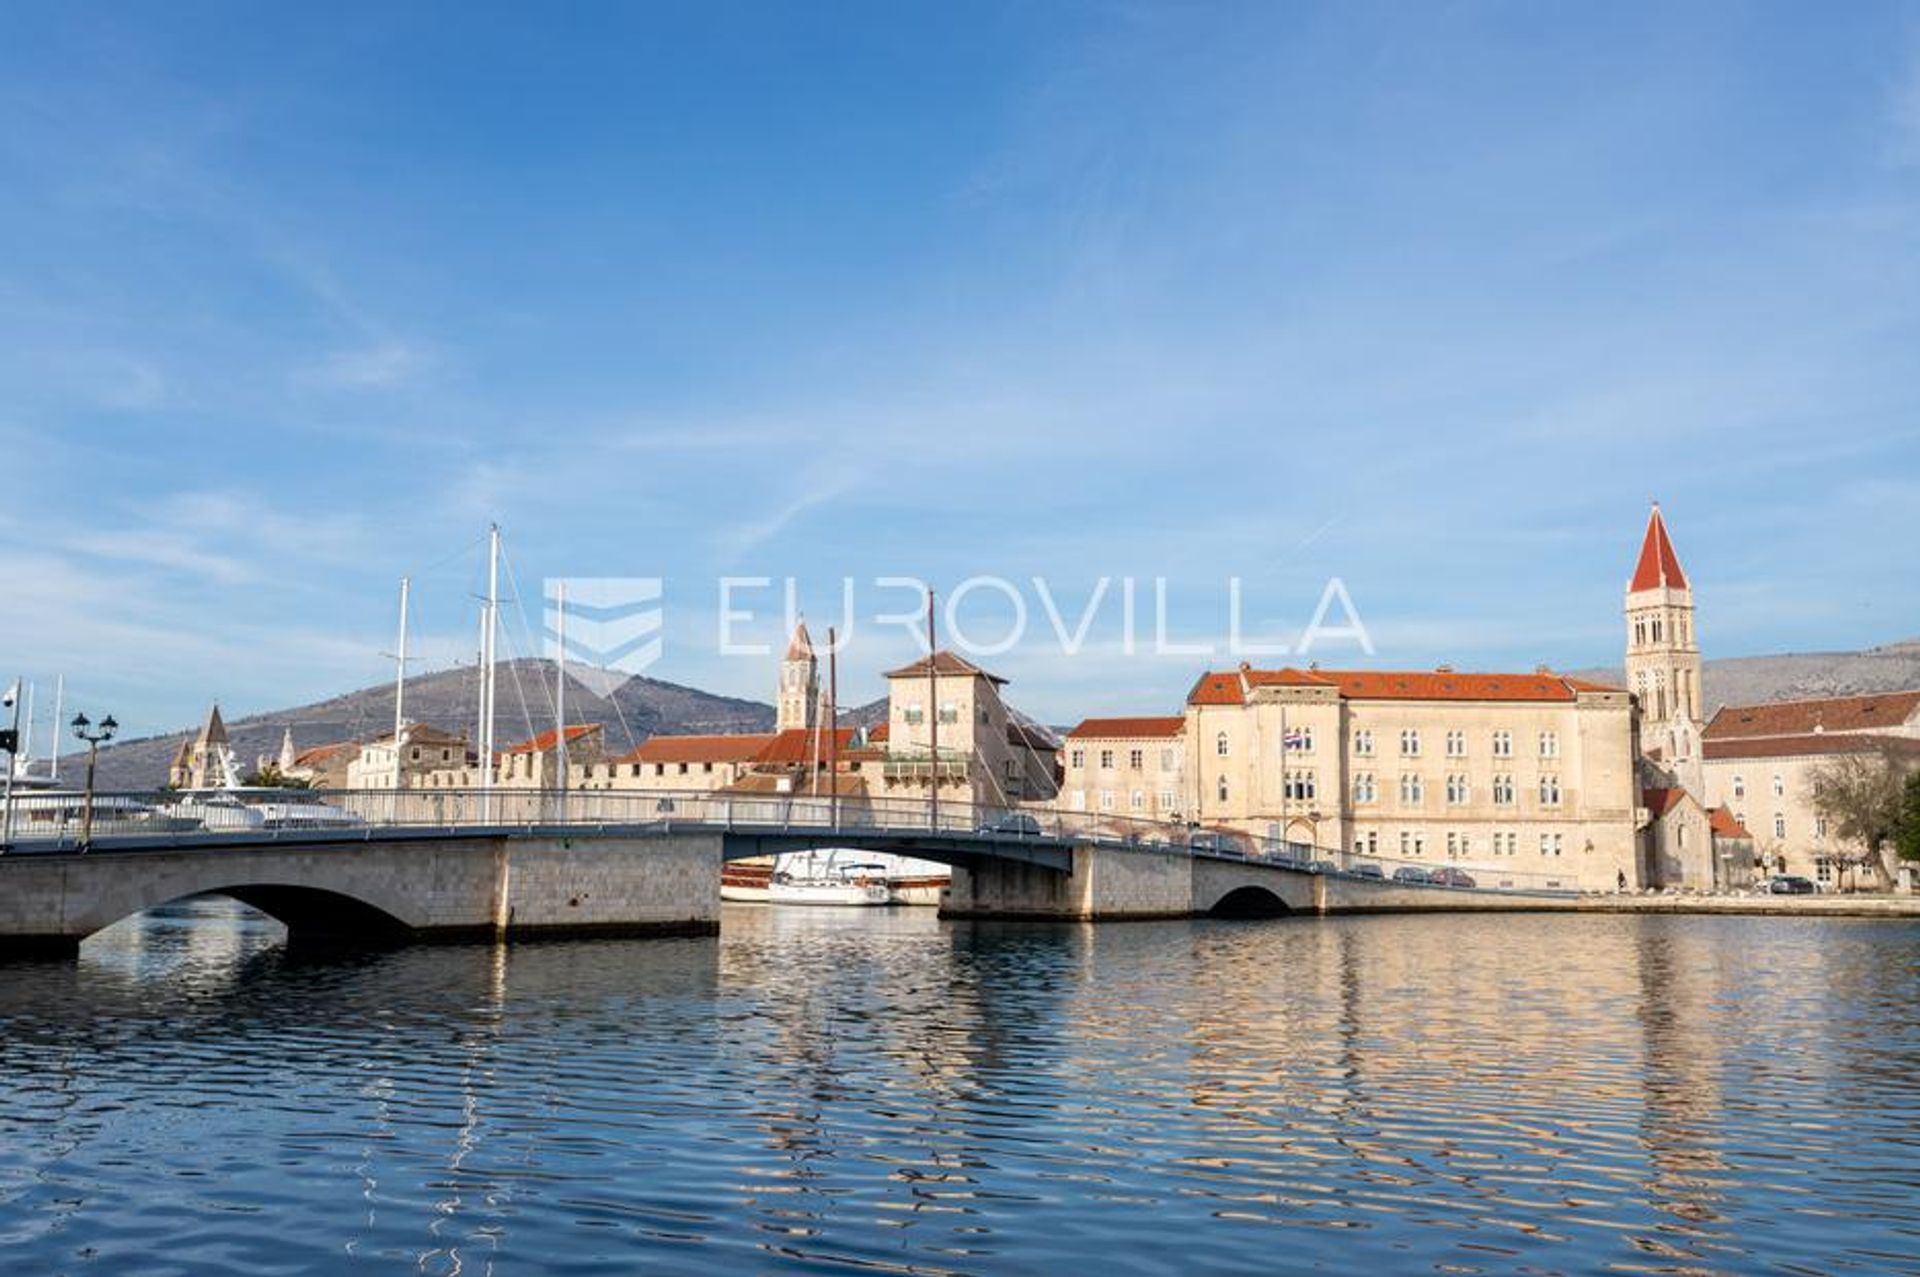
(377, 885)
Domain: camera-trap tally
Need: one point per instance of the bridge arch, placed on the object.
(315, 917)
(1249, 902)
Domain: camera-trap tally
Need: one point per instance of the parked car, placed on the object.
(1231, 841)
(1448, 876)
(1366, 869)
(1791, 885)
(1322, 867)
(1018, 823)
(1412, 874)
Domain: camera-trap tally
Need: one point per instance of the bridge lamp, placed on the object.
(84, 729)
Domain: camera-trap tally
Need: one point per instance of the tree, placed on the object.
(270, 777)
(1906, 839)
(1861, 797)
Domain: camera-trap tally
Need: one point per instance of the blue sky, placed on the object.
(1432, 298)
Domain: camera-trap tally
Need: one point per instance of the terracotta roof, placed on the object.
(1659, 566)
(1725, 823)
(796, 745)
(1811, 743)
(945, 663)
(877, 733)
(1883, 711)
(548, 739)
(1661, 801)
(801, 786)
(732, 748)
(1224, 688)
(1130, 728)
(319, 754)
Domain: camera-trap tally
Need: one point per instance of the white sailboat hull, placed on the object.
(829, 893)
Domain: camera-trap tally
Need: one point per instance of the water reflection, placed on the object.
(877, 1090)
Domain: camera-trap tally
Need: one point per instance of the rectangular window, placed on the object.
(1779, 786)
(1453, 845)
(1410, 743)
(949, 712)
(1456, 744)
(1106, 800)
(1077, 800)
(1779, 825)
(1503, 791)
(1077, 759)
(915, 714)
(1459, 791)
(1137, 800)
(1106, 760)
(1300, 786)
(1550, 791)
(1136, 759)
(1167, 802)
(1363, 788)
(1503, 744)
(1363, 743)
(1412, 792)
(1819, 828)
(1169, 760)
(1419, 843)
(1300, 738)
(1549, 744)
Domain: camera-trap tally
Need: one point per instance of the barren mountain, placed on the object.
(1754, 680)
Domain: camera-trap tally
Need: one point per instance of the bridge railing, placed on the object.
(55, 821)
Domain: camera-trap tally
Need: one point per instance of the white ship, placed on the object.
(828, 876)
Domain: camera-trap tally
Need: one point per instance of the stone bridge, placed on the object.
(375, 887)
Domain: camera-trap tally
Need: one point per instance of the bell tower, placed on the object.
(799, 699)
(1663, 655)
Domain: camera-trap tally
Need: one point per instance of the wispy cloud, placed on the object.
(371, 367)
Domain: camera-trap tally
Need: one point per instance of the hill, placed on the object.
(637, 709)
(1754, 680)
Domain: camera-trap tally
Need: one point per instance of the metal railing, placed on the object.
(54, 822)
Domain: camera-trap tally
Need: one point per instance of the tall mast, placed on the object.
(560, 698)
(933, 723)
(487, 639)
(400, 681)
(833, 729)
(26, 738)
(59, 706)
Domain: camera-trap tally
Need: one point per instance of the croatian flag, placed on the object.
(1296, 740)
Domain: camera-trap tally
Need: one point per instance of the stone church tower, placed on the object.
(799, 699)
(1663, 656)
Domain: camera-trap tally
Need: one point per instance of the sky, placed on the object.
(1430, 300)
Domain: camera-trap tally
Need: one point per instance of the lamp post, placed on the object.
(83, 728)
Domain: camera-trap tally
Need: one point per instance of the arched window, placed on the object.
(1223, 789)
(1220, 746)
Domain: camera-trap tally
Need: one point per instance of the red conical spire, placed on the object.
(1659, 566)
(801, 646)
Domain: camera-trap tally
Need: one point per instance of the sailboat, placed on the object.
(828, 876)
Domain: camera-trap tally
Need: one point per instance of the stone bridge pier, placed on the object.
(1110, 884)
(383, 890)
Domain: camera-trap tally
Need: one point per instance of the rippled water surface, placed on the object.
(877, 1090)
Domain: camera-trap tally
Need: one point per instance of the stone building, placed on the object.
(798, 703)
(1128, 767)
(405, 762)
(949, 726)
(1760, 760)
(204, 759)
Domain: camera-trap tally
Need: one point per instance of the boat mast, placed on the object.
(400, 681)
(25, 760)
(560, 696)
(933, 724)
(59, 705)
(833, 729)
(489, 628)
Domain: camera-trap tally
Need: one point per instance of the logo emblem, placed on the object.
(612, 626)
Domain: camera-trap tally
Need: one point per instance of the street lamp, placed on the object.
(84, 729)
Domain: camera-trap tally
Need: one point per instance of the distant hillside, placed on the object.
(1754, 680)
(639, 708)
